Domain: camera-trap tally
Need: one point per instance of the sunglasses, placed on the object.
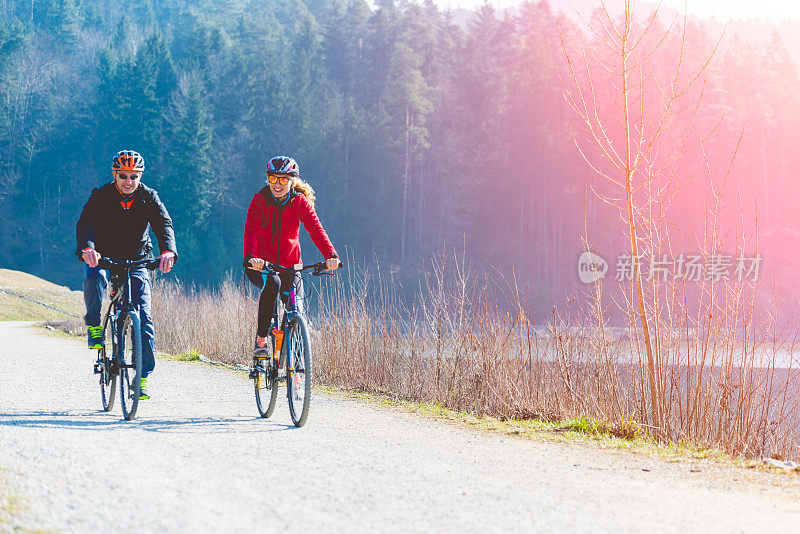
(277, 178)
(133, 177)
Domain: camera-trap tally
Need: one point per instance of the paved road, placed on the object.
(198, 459)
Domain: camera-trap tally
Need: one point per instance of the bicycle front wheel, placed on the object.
(129, 352)
(106, 357)
(298, 370)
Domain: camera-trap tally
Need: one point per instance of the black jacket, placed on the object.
(124, 234)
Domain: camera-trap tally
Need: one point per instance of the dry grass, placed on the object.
(71, 326)
(219, 324)
(706, 362)
(9, 278)
(25, 304)
(464, 345)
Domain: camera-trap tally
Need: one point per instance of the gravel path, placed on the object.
(197, 458)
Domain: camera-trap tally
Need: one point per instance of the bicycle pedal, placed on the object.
(98, 368)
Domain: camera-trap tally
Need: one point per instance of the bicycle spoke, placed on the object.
(130, 366)
(265, 384)
(299, 379)
(108, 377)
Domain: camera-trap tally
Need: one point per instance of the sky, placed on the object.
(772, 10)
(723, 10)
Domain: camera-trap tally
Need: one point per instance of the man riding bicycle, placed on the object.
(115, 222)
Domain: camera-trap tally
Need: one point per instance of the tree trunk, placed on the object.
(405, 193)
(546, 245)
(346, 162)
(419, 213)
(636, 286)
(522, 230)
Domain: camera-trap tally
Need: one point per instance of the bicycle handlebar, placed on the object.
(318, 269)
(111, 263)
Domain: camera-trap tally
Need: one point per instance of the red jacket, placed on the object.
(272, 231)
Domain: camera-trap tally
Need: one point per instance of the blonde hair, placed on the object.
(301, 186)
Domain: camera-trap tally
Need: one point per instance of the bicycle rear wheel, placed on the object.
(298, 370)
(106, 356)
(265, 380)
(129, 354)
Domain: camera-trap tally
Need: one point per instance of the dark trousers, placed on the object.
(267, 302)
(94, 287)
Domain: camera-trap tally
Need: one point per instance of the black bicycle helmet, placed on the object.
(283, 165)
(128, 160)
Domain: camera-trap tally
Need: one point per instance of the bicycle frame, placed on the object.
(290, 309)
(290, 312)
(121, 301)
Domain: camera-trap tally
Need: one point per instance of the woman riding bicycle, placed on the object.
(272, 234)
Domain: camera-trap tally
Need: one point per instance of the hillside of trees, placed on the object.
(419, 130)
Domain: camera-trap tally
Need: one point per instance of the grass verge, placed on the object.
(629, 437)
(26, 304)
(188, 356)
(12, 506)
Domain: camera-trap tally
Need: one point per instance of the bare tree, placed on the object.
(627, 108)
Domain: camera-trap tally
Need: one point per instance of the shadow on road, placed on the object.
(86, 420)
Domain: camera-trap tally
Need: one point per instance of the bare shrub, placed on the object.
(706, 363)
(466, 342)
(219, 323)
(725, 379)
(70, 325)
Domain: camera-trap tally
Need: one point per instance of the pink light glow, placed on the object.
(721, 10)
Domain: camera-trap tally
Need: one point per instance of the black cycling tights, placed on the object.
(267, 305)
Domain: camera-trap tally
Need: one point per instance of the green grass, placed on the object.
(15, 308)
(629, 430)
(24, 295)
(189, 356)
(11, 505)
(621, 435)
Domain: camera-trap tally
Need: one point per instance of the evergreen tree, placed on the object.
(187, 182)
(407, 102)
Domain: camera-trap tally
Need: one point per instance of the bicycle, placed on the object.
(123, 334)
(294, 365)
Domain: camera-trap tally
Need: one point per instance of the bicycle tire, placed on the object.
(265, 382)
(107, 356)
(129, 351)
(299, 371)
